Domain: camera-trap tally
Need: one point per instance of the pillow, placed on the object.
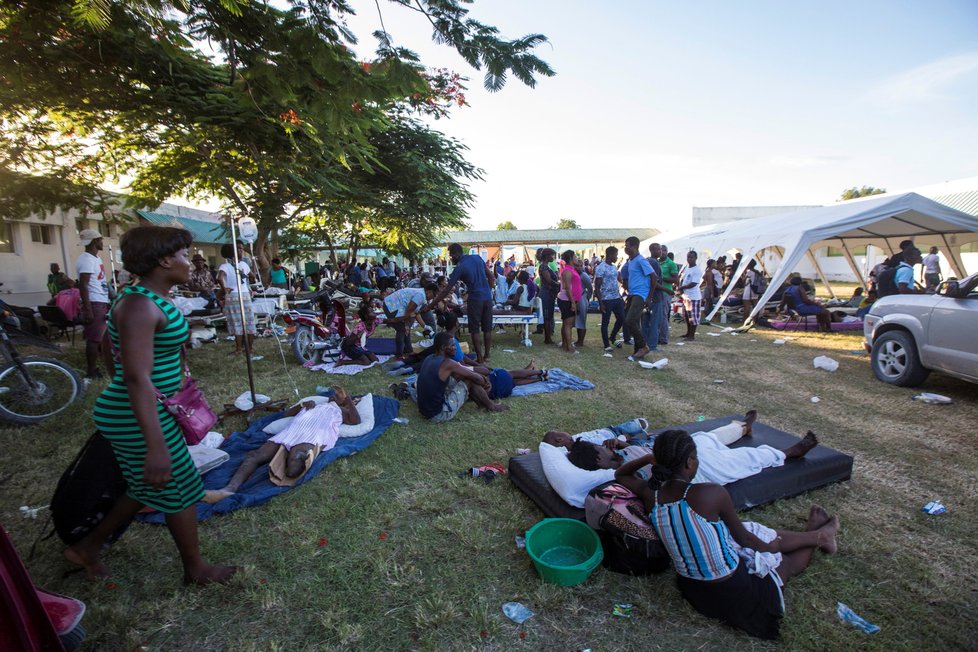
(365, 408)
(318, 400)
(570, 482)
(277, 426)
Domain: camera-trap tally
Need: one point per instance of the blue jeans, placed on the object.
(614, 307)
(652, 322)
(629, 428)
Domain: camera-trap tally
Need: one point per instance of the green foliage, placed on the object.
(567, 223)
(865, 191)
(506, 226)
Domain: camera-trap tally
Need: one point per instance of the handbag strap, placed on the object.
(183, 381)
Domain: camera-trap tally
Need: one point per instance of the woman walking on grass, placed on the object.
(149, 333)
(726, 569)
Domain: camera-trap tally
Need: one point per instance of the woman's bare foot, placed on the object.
(88, 560)
(808, 442)
(532, 365)
(208, 574)
(212, 496)
(827, 534)
(817, 517)
(749, 420)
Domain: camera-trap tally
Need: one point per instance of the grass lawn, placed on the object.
(419, 558)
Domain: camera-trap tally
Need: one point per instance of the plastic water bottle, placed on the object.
(517, 612)
(851, 617)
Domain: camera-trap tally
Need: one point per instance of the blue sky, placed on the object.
(661, 106)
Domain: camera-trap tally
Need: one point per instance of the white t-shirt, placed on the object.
(692, 274)
(932, 264)
(98, 291)
(228, 270)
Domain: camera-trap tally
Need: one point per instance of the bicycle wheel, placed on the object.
(55, 386)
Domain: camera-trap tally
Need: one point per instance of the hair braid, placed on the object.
(672, 449)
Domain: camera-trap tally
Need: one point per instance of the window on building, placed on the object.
(6, 238)
(103, 228)
(80, 225)
(41, 233)
(970, 248)
(838, 251)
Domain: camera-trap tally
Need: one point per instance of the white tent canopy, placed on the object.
(881, 221)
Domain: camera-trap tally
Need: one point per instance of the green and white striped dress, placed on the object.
(117, 422)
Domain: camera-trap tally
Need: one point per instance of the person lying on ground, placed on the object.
(314, 429)
(353, 345)
(726, 569)
(718, 463)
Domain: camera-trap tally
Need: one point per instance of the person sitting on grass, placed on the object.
(719, 463)
(314, 429)
(444, 385)
(866, 304)
(354, 343)
(726, 569)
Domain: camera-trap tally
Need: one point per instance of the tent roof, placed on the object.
(203, 232)
(545, 236)
(882, 220)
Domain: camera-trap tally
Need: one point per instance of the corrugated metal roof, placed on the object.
(546, 236)
(204, 232)
(966, 202)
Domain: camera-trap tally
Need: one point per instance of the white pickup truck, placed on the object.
(910, 335)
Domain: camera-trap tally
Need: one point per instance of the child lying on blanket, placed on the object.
(354, 343)
(717, 463)
(315, 428)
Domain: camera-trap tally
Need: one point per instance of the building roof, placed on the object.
(545, 236)
(203, 232)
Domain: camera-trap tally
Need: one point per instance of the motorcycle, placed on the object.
(314, 334)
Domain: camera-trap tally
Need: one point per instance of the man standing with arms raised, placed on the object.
(640, 283)
(472, 270)
(94, 293)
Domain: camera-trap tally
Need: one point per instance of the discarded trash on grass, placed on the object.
(400, 420)
(622, 610)
(508, 351)
(658, 364)
(520, 542)
(825, 362)
(778, 342)
(933, 399)
(714, 334)
(517, 612)
(816, 399)
(607, 355)
(934, 508)
(850, 616)
(718, 381)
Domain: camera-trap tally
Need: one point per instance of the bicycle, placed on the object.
(33, 388)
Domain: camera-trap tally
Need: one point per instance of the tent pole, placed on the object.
(821, 274)
(853, 266)
(760, 260)
(738, 272)
(953, 258)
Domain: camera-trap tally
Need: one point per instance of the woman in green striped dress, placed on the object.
(149, 334)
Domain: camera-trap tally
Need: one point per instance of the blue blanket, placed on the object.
(558, 380)
(259, 489)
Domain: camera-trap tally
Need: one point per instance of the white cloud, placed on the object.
(927, 83)
(804, 161)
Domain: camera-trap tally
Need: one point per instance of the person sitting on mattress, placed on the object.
(314, 429)
(719, 464)
(726, 569)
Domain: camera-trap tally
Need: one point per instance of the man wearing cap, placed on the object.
(94, 290)
(201, 281)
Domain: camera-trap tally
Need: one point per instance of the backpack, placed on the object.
(886, 283)
(86, 492)
(631, 545)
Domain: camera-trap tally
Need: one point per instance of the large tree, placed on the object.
(506, 226)
(567, 223)
(276, 114)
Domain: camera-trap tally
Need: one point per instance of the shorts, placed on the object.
(353, 351)
(580, 321)
(94, 331)
(566, 309)
(748, 293)
(693, 310)
(238, 324)
(501, 383)
(480, 315)
(456, 393)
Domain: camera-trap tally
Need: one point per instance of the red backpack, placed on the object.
(631, 545)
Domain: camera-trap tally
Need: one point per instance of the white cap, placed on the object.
(87, 235)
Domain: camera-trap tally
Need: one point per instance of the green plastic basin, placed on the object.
(564, 550)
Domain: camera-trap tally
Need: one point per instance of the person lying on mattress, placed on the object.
(727, 569)
(718, 463)
(292, 451)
